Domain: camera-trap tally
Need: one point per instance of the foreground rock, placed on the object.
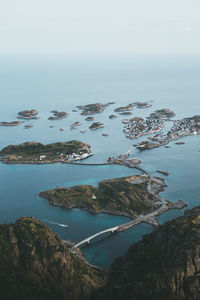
(36, 264)
(165, 265)
(38, 153)
(122, 196)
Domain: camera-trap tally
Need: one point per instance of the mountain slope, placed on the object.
(164, 265)
(36, 264)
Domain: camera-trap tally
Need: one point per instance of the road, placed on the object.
(134, 222)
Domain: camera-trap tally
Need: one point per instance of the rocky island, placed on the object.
(125, 108)
(142, 105)
(91, 109)
(58, 115)
(10, 124)
(28, 114)
(164, 113)
(96, 125)
(38, 153)
(112, 117)
(126, 196)
(89, 119)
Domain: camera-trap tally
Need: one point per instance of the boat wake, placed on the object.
(55, 223)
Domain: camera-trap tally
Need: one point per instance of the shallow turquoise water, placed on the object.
(63, 84)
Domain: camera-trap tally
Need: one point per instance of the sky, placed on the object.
(100, 26)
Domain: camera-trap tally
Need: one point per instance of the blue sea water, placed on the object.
(47, 84)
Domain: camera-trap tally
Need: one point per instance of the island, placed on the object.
(91, 109)
(148, 145)
(10, 124)
(153, 123)
(75, 125)
(126, 113)
(28, 126)
(89, 119)
(142, 105)
(166, 173)
(163, 113)
(128, 196)
(58, 115)
(96, 125)
(125, 108)
(112, 117)
(132, 105)
(28, 114)
(180, 128)
(38, 153)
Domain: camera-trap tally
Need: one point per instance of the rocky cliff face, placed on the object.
(36, 264)
(164, 265)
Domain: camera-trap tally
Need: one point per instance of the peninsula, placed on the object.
(38, 153)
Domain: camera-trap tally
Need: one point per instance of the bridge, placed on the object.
(87, 240)
(140, 219)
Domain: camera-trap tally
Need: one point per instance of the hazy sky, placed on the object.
(99, 26)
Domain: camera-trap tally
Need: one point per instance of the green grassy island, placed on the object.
(38, 153)
(126, 196)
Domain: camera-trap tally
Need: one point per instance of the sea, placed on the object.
(62, 83)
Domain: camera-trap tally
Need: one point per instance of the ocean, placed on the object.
(63, 83)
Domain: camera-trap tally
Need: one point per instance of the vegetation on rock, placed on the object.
(164, 265)
(36, 264)
(31, 151)
(123, 196)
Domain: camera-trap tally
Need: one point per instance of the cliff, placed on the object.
(36, 264)
(163, 265)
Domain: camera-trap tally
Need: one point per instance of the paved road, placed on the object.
(136, 221)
